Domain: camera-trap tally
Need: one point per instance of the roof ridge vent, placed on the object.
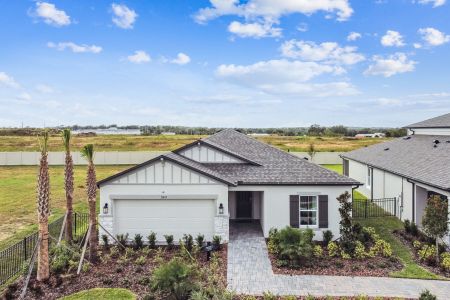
(436, 142)
(407, 138)
(386, 149)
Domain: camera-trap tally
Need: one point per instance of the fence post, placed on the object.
(365, 208)
(25, 248)
(395, 206)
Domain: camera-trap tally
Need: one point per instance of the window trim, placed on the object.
(316, 196)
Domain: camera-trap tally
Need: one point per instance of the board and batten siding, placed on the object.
(163, 172)
(205, 154)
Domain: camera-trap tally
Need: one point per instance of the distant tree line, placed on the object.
(313, 130)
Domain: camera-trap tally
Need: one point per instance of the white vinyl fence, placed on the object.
(124, 158)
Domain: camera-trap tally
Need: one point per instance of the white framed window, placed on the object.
(309, 211)
(369, 177)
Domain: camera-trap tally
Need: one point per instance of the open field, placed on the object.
(18, 197)
(171, 142)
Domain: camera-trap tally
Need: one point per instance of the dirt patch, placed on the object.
(113, 273)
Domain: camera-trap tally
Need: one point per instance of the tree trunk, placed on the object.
(437, 252)
(68, 178)
(93, 238)
(43, 271)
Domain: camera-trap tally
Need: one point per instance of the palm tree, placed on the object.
(91, 186)
(43, 201)
(68, 183)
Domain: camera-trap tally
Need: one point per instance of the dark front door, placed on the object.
(244, 205)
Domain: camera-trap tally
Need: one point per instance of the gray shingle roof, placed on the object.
(437, 122)
(276, 166)
(414, 157)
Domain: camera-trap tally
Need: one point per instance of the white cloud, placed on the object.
(436, 3)
(434, 37)
(75, 48)
(353, 36)
(51, 14)
(139, 57)
(44, 89)
(328, 52)
(284, 77)
(181, 59)
(24, 96)
(417, 45)
(392, 39)
(8, 81)
(123, 16)
(255, 30)
(272, 10)
(393, 64)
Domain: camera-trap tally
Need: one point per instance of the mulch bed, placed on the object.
(337, 266)
(110, 274)
(407, 240)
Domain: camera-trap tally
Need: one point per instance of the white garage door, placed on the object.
(176, 217)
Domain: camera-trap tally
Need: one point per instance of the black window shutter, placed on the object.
(323, 211)
(294, 211)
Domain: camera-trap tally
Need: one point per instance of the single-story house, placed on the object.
(200, 187)
(410, 168)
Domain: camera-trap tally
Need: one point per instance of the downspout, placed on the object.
(371, 183)
(413, 200)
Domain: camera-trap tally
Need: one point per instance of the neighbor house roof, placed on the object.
(263, 164)
(421, 158)
(437, 122)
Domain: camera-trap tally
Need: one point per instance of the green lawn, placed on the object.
(102, 294)
(336, 168)
(18, 197)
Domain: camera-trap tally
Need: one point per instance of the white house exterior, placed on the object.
(410, 168)
(200, 187)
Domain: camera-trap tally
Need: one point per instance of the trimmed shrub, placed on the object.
(105, 241)
(169, 240)
(427, 253)
(381, 248)
(152, 240)
(216, 242)
(360, 251)
(327, 236)
(188, 242)
(122, 238)
(138, 241)
(333, 249)
(62, 258)
(427, 295)
(407, 226)
(417, 244)
(176, 278)
(199, 240)
(295, 245)
(445, 261)
(414, 229)
(318, 251)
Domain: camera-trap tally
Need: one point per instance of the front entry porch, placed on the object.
(245, 205)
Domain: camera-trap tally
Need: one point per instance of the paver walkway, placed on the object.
(250, 272)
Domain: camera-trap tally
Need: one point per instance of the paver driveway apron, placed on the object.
(250, 272)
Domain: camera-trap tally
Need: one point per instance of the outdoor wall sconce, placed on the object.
(105, 209)
(220, 209)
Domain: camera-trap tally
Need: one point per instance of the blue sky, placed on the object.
(228, 63)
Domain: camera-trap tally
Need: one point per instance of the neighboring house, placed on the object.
(410, 168)
(370, 135)
(200, 187)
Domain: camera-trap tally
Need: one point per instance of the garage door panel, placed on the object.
(176, 217)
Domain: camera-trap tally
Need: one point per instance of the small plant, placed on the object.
(188, 242)
(290, 297)
(427, 295)
(62, 258)
(269, 296)
(333, 249)
(140, 261)
(381, 248)
(445, 261)
(169, 240)
(138, 241)
(199, 240)
(118, 270)
(176, 278)
(152, 240)
(407, 226)
(216, 242)
(114, 252)
(144, 280)
(318, 251)
(427, 253)
(417, 245)
(105, 241)
(146, 251)
(327, 236)
(414, 229)
(345, 255)
(360, 250)
(130, 253)
(122, 238)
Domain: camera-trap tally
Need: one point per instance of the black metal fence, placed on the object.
(14, 258)
(373, 208)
